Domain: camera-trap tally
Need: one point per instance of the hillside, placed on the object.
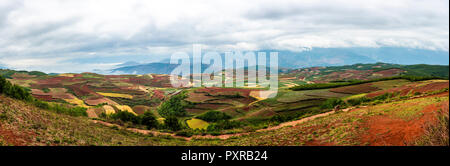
(419, 121)
(394, 123)
(23, 124)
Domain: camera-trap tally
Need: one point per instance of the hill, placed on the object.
(22, 124)
(140, 106)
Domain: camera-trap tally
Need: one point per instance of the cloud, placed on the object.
(70, 31)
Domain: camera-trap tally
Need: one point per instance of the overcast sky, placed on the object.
(56, 35)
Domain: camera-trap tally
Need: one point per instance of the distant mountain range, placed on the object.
(155, 68)
(318, 57)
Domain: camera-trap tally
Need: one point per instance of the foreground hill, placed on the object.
(22, 124)
(418, 121)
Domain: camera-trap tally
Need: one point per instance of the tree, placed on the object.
(214, 116)
(172, 123)
(173, 107)
(332, 103)
(149, 120)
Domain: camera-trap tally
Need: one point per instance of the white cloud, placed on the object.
(76, 29)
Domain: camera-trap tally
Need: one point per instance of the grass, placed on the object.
(77, 102)
(437, 134)
(116, 95)
(108, 109)
(390, 84)
(355, 96)
(294, 96)
(197, 124)
(125, 108)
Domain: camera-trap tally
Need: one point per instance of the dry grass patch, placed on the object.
(116, 95)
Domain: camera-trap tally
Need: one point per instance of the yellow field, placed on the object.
(108, 109)
(125, 108)
(355, 96)
(197, 124)
(77, 102)
(116, 95)
(66, 75)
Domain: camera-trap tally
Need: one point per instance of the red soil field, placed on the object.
(225, 91)
(43, 97)
(405, 90)
(198, 97)
(140, 109)
(158, 94)
(82, 90)
(355, 89)
(385, 131)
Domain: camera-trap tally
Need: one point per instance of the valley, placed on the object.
(363, 104)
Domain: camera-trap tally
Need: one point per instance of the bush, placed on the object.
(185, 133)
(224, 125)
(332, 103)
(280, 118)
(172, 123)
(383, 97)
(358, 101)
(126, 117)
(214, 116)
(149, 120)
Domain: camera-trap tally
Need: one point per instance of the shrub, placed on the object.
(279, 119)
(383, 97)
(172, 123)
(214, 116)
(149, 120)
(332, 103)
(358, 101)
(224, 125)
(185, 133)
(126, 117)
(436, 134)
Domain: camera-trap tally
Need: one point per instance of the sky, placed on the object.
(83, 35)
